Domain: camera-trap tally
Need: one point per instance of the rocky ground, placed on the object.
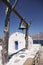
(41, 56)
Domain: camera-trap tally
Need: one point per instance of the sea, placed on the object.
(38, 42)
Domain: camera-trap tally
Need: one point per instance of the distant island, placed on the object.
(38, 36)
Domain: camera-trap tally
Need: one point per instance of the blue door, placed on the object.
(16, 45)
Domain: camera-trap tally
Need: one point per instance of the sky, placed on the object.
(26, 8)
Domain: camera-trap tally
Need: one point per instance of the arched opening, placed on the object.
(16, 45)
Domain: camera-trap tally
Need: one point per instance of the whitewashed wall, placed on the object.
(20, 37)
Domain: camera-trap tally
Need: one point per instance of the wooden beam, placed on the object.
(10, 7)
(5, 40)
(26, 37)
(15, 4)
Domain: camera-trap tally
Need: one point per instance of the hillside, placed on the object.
(38, 36)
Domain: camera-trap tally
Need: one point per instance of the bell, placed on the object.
(22, 25)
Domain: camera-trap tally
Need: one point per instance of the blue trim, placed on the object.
(16, 45)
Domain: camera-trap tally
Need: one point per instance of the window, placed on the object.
(16, 45)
